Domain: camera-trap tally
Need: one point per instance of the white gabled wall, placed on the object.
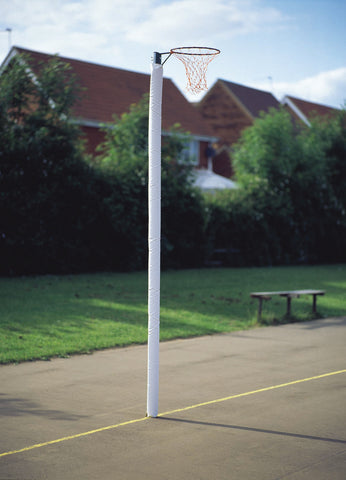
(288, 101)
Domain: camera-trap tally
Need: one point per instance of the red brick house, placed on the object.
(109, 91)
(304, 111)
(229, 108)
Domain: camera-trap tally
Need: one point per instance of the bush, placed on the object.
(44, 181)
(290, 207)
(62, 212)
(124, 156)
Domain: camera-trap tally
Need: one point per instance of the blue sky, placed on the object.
(292, 47)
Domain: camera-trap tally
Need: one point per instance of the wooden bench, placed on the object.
(289, 295)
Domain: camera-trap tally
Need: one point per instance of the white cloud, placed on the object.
(119, 32)
(52, 25)
(84, 29)
(181, 22)
(326, 87)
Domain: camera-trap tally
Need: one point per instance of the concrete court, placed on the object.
(297, 431)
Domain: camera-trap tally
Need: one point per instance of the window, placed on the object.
(190, 153)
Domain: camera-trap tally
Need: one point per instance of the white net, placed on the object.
(196, 61)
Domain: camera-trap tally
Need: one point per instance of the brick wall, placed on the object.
(227, 119)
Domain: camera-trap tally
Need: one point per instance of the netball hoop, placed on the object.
(196, 61)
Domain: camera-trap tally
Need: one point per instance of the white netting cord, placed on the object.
(196, 63)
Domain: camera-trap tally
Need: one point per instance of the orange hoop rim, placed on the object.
(211, 51)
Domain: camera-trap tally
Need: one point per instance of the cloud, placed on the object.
(326, 87)
(51, 25)
(181, 22)
(104, 16)
(82, 29)
(119, 32)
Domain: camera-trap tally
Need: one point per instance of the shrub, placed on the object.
(124, 156)
(290, 206)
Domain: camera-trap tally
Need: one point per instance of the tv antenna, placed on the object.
(9, 31)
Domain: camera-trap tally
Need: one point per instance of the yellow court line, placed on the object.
(72, 437)
(211, 402)
(266, 389)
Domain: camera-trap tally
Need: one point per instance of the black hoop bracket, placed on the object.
(158, 57)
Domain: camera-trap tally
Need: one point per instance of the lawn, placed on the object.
(46, 316)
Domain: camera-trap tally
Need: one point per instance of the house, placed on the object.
(304, 111)
(228, 108)
(109, 91)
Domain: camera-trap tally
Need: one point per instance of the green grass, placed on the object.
(46, 316)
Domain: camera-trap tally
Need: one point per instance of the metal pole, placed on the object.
(154, 234)
(9, 30)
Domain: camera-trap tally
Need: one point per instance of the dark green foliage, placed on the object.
(53, 217)
(124, 155)
(62, 212)
(291, 205)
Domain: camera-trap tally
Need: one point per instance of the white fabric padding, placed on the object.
(154, 238)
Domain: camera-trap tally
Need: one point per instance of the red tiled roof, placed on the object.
(309, 109)
(109, 91)
(253, 100)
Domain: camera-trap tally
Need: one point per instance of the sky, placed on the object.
(287, 47)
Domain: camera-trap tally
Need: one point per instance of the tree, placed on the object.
(124, 154)
(328, 138)
(47, 205)
(294, 173)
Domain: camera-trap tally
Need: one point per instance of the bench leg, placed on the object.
(314, 301)
(288, 306)
(259, 314)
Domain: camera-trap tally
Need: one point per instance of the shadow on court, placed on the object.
(258, 430)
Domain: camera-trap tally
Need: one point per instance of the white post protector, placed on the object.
(154, 237)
